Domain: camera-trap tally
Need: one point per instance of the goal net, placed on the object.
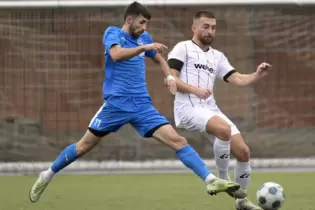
(52, 71)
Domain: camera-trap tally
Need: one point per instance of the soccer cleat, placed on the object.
(240, 193)
(245, 204)
(38, 188)
(218, 185)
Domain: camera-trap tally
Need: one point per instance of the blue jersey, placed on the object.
(125, 78)
(126, 98)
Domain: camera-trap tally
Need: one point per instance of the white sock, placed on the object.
(209, 178)
(48, 174)
(242, 174)
(221, 150)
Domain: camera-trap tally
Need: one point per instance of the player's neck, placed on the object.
(202, 46)
(125, 28)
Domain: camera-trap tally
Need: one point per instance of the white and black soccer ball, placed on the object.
(270, 196)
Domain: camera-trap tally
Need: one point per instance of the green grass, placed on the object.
(145, 192)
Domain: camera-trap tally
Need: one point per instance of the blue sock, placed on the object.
(192, 160)
(66, 157)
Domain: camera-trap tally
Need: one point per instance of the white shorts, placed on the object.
(195, 118)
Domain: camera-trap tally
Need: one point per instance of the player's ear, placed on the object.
(193, 28)
(128, 19)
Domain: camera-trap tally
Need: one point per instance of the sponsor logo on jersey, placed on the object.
(204, 67)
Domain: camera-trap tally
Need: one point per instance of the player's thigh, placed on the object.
(218, 126)
(192, 118)
(147, 121)
(202, 119)
(108, 119)
(150, 123)
(239, 149)
(234, 129)
(169, 136)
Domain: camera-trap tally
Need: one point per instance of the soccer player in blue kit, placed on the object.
(127, 101)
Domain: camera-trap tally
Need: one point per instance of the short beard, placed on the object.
(133, 33)
(205, 42)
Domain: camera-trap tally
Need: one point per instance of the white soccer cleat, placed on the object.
(245, 204)
(38, 188)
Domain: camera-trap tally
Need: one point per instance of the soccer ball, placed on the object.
(270, 196)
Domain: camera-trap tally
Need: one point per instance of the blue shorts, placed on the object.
(118, 111)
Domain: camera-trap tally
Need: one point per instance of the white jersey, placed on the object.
(200, 69)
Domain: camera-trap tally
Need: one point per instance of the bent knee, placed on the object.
(244, 154)
(223, 132)
(177, 141)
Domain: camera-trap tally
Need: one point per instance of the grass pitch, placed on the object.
(145, 192)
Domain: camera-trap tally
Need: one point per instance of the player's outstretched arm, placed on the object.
(113, 44)
(227, 73)
(242, 80)
(117, 53)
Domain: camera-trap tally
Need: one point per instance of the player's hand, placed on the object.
(170, 82)
(263, 69)
(202, 93)
(155, 46)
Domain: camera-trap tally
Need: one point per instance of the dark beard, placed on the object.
(133, 32)
(206, 42)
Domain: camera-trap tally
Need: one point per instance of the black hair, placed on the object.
(137, 9)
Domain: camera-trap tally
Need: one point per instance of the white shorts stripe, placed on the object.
(97, 113)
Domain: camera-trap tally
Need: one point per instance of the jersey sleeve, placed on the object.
(111, 37)
(225, 69)
(178, 53)
(151, 53)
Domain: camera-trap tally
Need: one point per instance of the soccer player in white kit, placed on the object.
(196, 66)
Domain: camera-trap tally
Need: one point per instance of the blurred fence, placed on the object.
(52, 71)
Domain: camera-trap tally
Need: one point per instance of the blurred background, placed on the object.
(51, 74)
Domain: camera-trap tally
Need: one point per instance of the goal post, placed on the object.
(51, 74)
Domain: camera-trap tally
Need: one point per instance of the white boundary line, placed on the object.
(157, 166)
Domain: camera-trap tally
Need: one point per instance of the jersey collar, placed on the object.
(200, 47)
